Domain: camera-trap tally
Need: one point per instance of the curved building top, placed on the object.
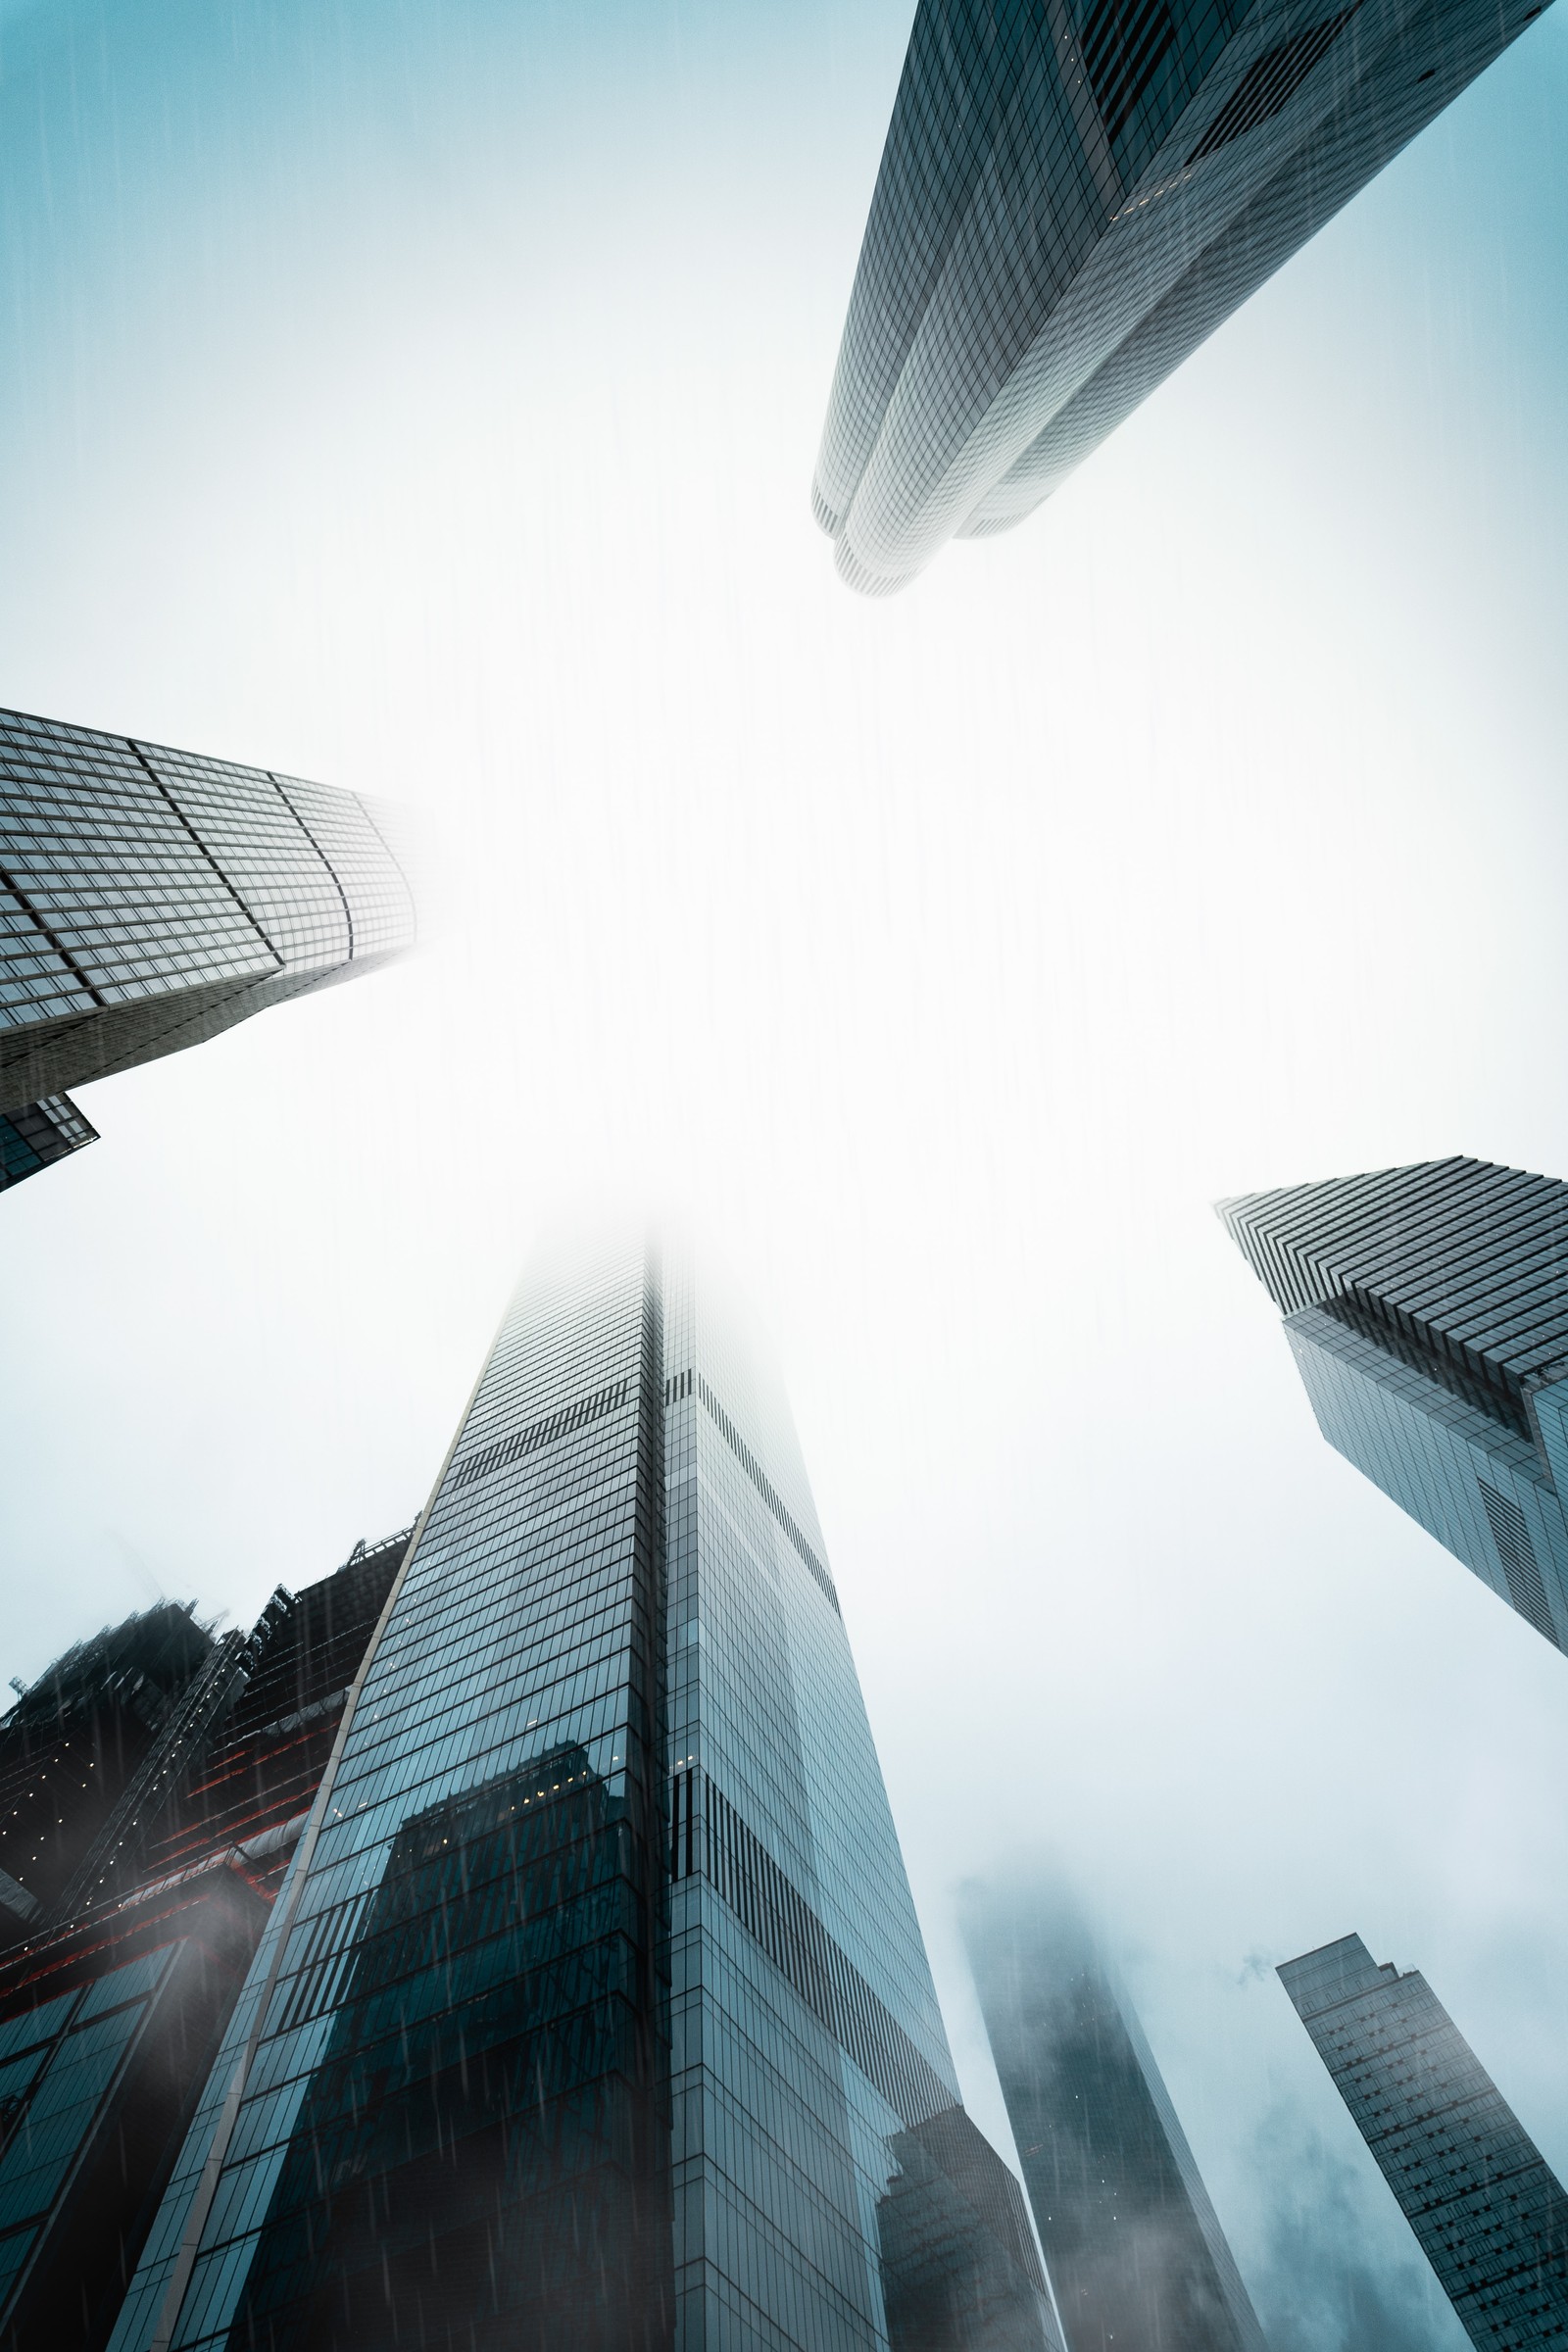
(1073, 194)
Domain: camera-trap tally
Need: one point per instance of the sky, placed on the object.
(423, 398)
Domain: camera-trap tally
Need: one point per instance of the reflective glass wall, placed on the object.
(444, 2097)
(807, 2028)
(594, 2009)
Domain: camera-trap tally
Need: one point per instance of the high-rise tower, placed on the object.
(1072, 196)
(1489, 2212)
(151, 898)
(594, 2009)
(1426, 1310)
(1134, 2247)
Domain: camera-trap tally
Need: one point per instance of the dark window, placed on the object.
(1269, 83)
(718, 1843)
(540, 1432)
(1123, 44)
(1517, 1553)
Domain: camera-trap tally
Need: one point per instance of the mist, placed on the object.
(425, 402)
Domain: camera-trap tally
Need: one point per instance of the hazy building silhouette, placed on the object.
(175, 1772)
(1071, 197)
(1489, 2214)
(1426, 1310)
(151, 898)
(594, 2009)
(1134, 2248)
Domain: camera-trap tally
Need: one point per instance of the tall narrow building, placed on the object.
(1426, 1310)
(1072, 196)
(594, 2009)
(150, 899)
(1134, 2247)
(1489, 2212)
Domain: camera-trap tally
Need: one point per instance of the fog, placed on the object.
(424, 400)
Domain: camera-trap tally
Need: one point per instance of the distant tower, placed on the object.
(150, 899)
(1489, 2214)
(1134, 2248)
(1426, 1310)
(1072, 196)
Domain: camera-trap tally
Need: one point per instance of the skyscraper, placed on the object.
(594, 2004)
(1490, 2216)
(1426, 1310)
(1071, 198)
(1132, 2244)
(151, 898)
(175, 1772)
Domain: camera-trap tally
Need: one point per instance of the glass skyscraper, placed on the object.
(1426, 1310)
(594, 2009)
(150, 899)
(1134, 2247)
(1489, 2214)
(1072, 195)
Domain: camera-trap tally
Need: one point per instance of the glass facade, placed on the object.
(1426, 1310)
(1073, 194)
(208, 1754)
(35, 1135)
(106, 2035)
(1490, 2216)
(960, 2265)
(458, 2010)
(805, 2027)
(151, 898)
(1135, 2250)
(596, 1986)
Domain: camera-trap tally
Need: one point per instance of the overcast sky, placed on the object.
(424, 397)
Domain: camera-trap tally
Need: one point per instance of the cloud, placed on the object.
(1334, 2277)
